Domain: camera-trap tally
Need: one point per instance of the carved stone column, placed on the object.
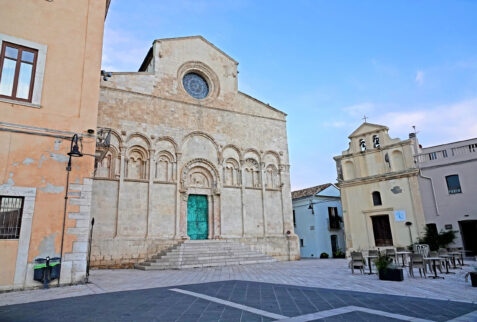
(262, 182)
(217, 217)
(152, 163)
(242, 194)
(177, 234)
(122, 153)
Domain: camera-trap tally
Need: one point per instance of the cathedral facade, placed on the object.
(190, 157)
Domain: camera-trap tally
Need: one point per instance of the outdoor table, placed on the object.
(402, 256)
(454, 254)
(447, 258)
(369, 257)
(434, 259)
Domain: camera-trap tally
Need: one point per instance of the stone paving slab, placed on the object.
(323, 273)
(165, 304)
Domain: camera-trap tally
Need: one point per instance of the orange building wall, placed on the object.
(73, 34)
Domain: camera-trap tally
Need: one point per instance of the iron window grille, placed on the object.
(11, 210)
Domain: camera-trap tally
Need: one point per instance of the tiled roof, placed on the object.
(309, 191)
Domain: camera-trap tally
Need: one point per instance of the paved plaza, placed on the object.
(307, 290)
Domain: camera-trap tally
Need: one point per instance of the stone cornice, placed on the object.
(378, 178)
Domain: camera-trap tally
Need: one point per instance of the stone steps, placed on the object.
(204, 253)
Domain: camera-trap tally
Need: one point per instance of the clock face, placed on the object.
(195, 85)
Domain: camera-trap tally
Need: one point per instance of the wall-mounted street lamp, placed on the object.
(310, 206)
(75, 152)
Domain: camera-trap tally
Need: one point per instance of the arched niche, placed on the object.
(109, 166)
(138, 139)
(231, 172)
(349, 171)
(165, 166)
(200, 174)
(271, 161)
(397, 161)
(272, 180)
(200, 145)
(252, 177)
(136, 163)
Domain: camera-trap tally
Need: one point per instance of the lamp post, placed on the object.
(409, 224)
(76, 153)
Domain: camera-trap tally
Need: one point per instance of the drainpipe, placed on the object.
(432, 189)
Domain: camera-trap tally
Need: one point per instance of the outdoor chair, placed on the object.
(391, 252)
(422, 249)
(417, 261)
(357, 261)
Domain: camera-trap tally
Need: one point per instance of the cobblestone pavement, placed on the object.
(329, 277)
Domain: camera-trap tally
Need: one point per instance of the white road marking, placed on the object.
(348, 309)
(472, 316)
(232, 304)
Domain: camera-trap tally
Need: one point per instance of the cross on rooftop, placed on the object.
(365, 118)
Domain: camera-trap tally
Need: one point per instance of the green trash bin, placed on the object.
(55, 267)
(39, 269)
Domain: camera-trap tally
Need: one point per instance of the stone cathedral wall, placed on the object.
(139, 189)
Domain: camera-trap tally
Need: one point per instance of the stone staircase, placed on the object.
(204, 253)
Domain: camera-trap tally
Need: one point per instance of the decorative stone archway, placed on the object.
(201, 177)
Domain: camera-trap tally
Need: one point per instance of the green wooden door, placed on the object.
(197, 217)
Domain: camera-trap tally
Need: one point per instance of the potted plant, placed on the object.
(339, 254)
(473, 277)
(388, 271)
(324, 255)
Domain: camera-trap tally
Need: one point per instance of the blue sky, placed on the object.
(326, 63)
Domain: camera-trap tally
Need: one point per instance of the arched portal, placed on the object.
(200, 197)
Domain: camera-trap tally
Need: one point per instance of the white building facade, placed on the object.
(318, 222)
(448, 184)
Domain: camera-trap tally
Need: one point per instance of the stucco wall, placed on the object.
(36, 137)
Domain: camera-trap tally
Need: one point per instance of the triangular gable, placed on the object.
(204, 40)
(367, 128)
(331, 191)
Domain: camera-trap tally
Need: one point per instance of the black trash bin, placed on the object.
(55, 267)
(39, 269)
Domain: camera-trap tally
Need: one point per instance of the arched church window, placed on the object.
(377, 198)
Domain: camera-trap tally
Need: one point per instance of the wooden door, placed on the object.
(382, 230)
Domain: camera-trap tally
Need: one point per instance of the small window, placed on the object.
(333, 218)
(17, 71)
(432, 156)
(301, 243)
(294, 219)
(11, 209)
(453, 184)
(377, 198)
(444, 153)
